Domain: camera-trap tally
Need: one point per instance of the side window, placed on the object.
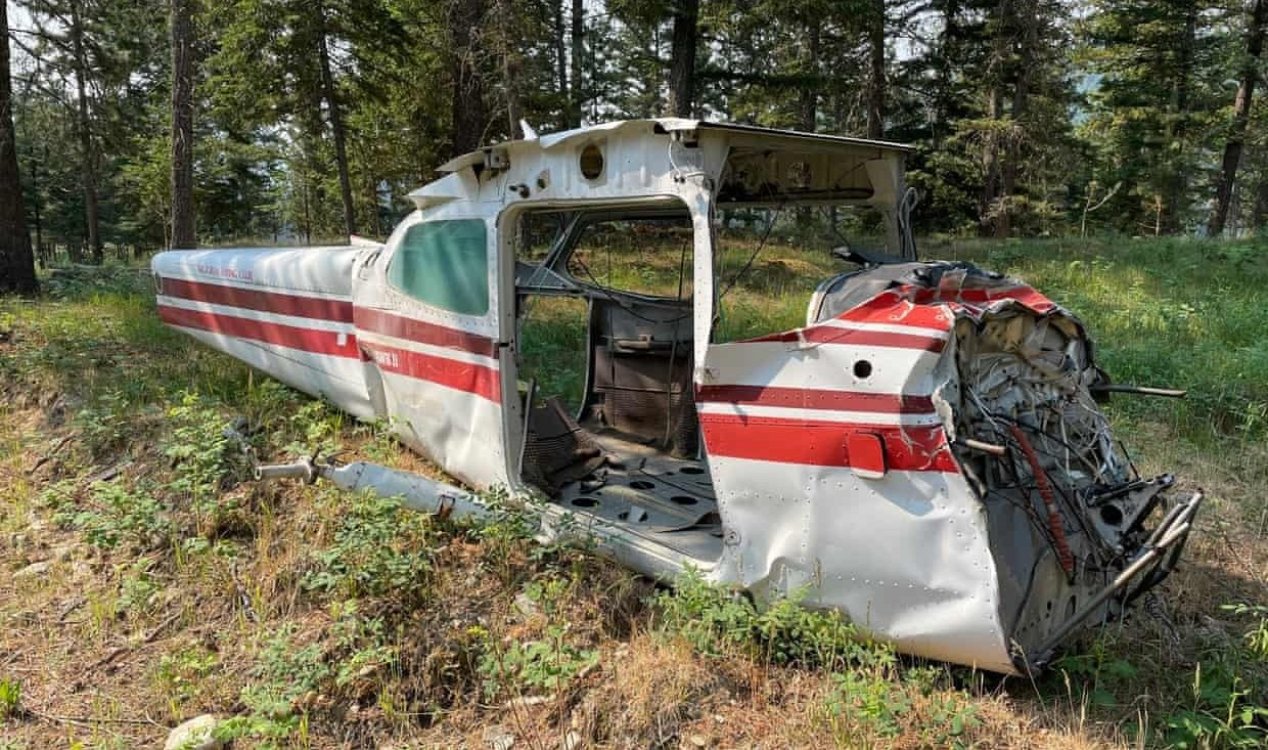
(445, 264)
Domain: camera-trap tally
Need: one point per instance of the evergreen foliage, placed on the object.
(1031, 117)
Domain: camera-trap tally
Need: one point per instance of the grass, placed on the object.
(311, 618)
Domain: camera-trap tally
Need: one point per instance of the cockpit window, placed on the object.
(445, 264)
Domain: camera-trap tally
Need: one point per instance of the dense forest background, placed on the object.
(145, 123)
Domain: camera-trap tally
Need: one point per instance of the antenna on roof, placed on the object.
(529, 133)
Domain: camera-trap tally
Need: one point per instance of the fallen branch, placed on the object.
(48, 456)
(121, 650)
(88, 721)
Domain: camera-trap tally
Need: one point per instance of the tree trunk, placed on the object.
(469, 117)
(1177, 181)
(308, 218)
(336, 125)
(1259, 210)
(510, 66)
(1241, 118)
(876, 78)
(1023, 25)
(87, 150)
(17, 264)
(992, 212)
(35, 210)
(990, 142)
(682, 61)
(575, 98)
(561, 63)
(183, 124)
(990, 165)
(809, 104)
(944, 96)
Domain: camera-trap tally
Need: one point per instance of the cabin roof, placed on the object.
(672, 124)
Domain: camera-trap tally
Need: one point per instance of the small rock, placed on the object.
(525, 605)
(572, 740)
(698, 741)
(527, 701)
(194, 734)
(498, 738)
(34, 570)
(64, 552)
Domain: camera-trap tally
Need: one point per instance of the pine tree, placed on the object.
(1157, 78)
(1241, 117)
(17, 264)
(182, 24)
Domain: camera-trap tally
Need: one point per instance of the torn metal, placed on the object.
(926, 455)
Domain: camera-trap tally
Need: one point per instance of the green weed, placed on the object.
(10, 698)
(547, 664)
(182, 675)
(286, 678)
(717, 622)
(121, 516)
(362, 642)
(1224, 710)
(379, 549)
(138, 588)
(1221, 706)
(1257, 636)
(200, 451)
(107, 424)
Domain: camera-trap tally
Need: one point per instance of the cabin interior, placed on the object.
(604, 308)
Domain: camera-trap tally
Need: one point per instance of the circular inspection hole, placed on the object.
(591, 162)
(683, 499)
(584, 502)
(639, 484)
(1111, 515)
(691, 470)
(862, 369)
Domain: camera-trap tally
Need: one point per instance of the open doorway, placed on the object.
(604, 364)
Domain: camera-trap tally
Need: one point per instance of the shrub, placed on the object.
(716, 621)
(119, 515)
(200, 450)
(379, 549)
(548, 664)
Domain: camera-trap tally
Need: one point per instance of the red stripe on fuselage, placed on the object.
(949, 294)
(278, 334)
(894, 308)
(278, 303)
(807, 398)
(795, 441)
(422, 332)
(464, 376)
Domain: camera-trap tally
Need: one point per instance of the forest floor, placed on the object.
(146, 580)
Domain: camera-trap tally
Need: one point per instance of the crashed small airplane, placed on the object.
(925, 455)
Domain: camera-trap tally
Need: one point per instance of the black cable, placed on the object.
(778, 212)
(607, 292)
(1070, 507)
